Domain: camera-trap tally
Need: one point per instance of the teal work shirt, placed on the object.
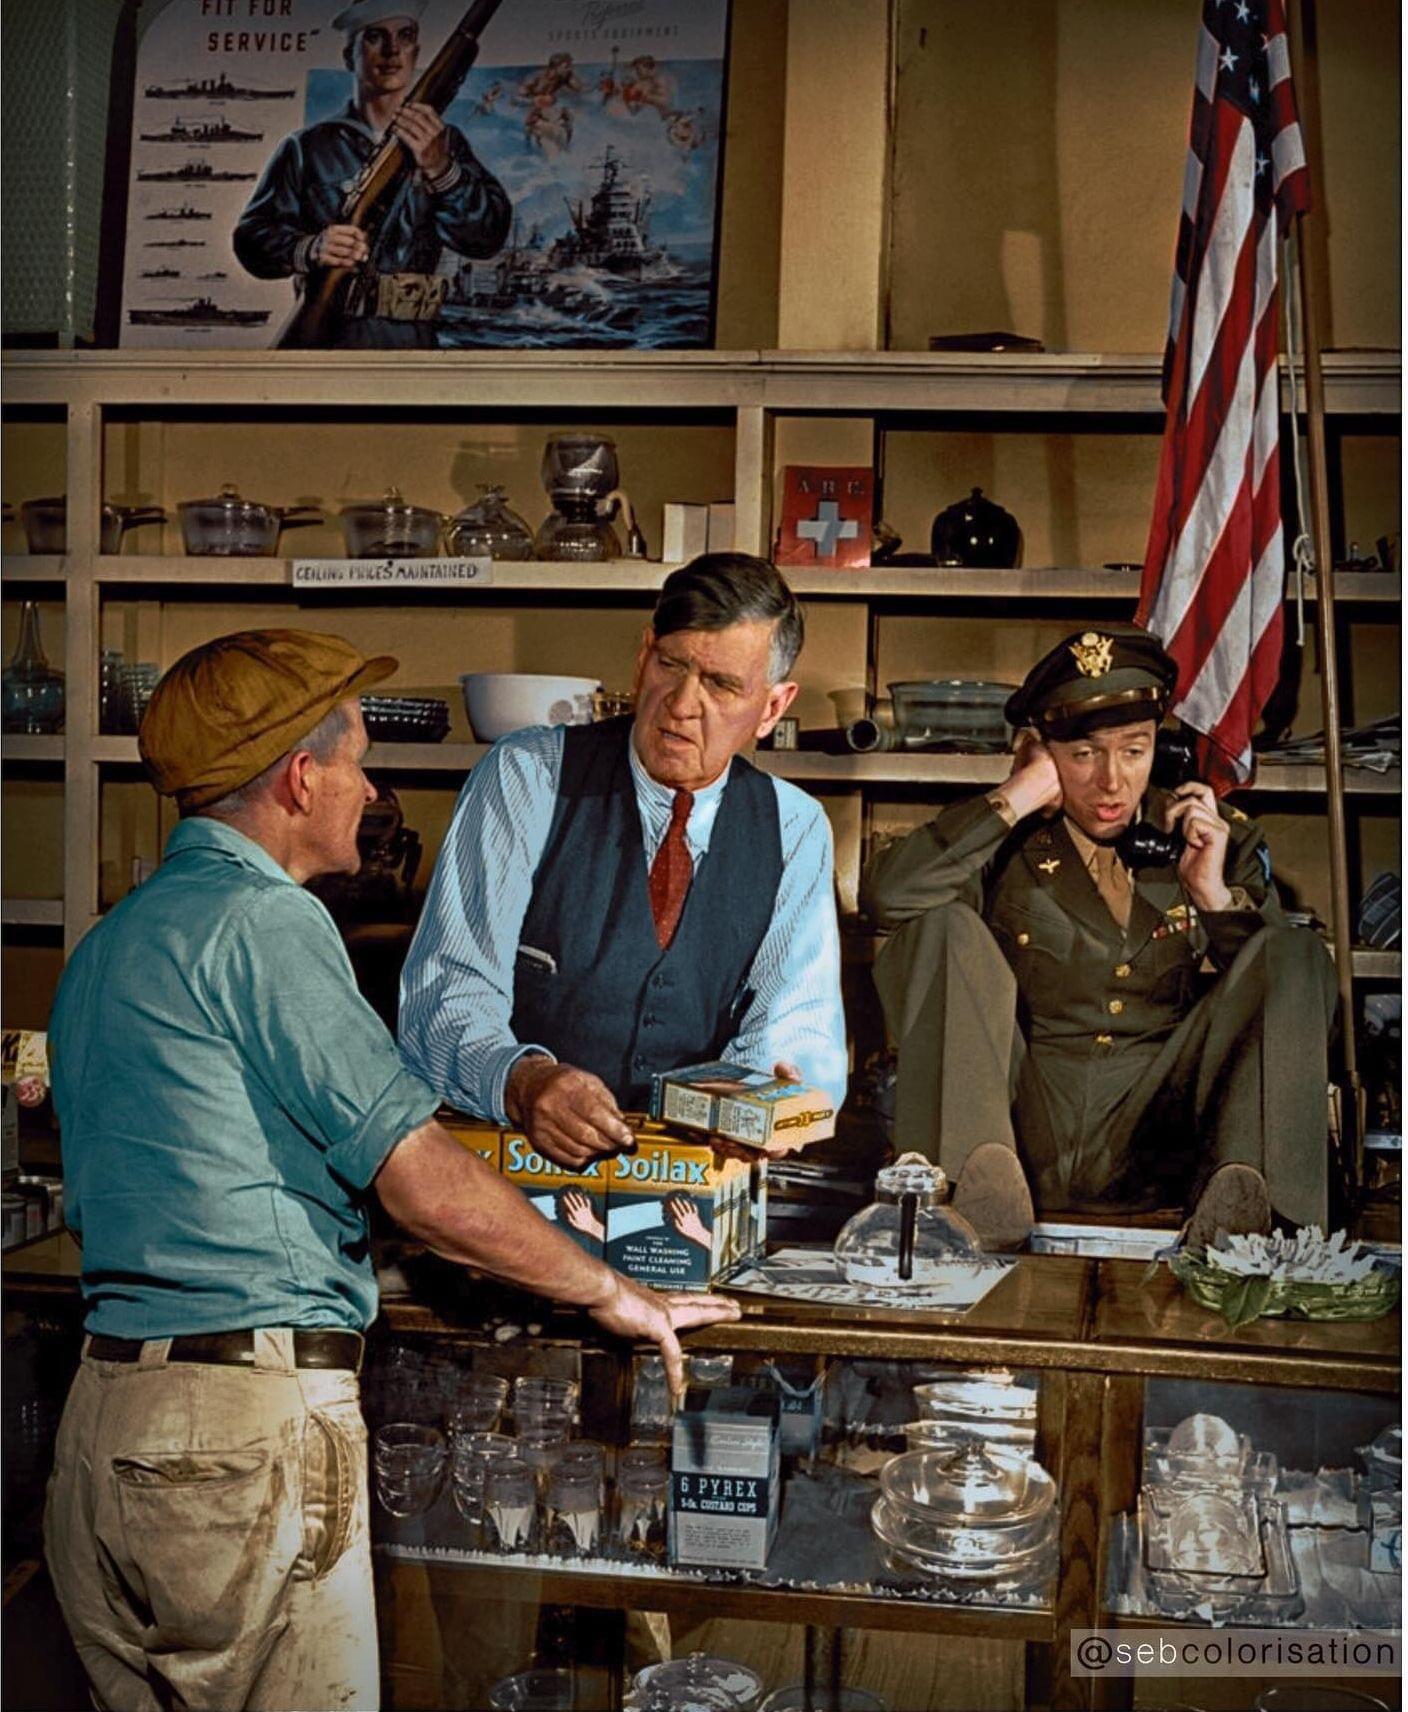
(225, 1097)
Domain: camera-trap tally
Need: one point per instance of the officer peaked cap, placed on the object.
(1111, 674)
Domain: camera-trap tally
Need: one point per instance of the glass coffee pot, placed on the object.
(33, 689)
(580, 474)
(490, 529)
(906, 1239)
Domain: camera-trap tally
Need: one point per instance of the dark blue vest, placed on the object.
(591, 982)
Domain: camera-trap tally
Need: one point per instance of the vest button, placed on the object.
(652, 1021)
(637, 1063)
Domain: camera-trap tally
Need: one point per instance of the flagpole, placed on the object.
(1340, 926)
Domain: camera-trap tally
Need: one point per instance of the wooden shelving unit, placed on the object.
(753, 390)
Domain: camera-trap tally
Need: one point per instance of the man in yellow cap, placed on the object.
(1043, 977)
(228, 1103)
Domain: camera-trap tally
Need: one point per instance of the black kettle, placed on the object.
(975, 531)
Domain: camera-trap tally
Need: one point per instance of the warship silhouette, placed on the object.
(214, 89)
(609, 239)
(612, 231)
(215, 275)
(200, 312)
(174, 244)
(202, 131)
(184, 212)
(192, 172)
(162, 273)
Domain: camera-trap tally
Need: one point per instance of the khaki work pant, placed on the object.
(1242, 1077)
(207, 1533)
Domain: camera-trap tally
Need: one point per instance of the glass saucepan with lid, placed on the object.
(228, 526)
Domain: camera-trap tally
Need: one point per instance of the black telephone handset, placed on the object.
(1142, 844)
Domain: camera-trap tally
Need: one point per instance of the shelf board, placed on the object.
(32, 912)
(899, 768)
(475, 1576)
(424, 757)
(1370, 964)
(862, 382)
(644, 576)
(616, 576)
(803, 766)
(19, 747)
(33, 568)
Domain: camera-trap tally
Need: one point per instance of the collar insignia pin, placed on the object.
(1050, 865)
(1093, 654)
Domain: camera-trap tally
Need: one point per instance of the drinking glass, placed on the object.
(532, 1392)
(478, 1405)
(709, 1370)
(510, 1505)
(650, 1399)
(470, 1456)
(573, 1509)
(539, 1446)
(534, 1691)
(642, 1503)
(409, 1462)
(587, 1457)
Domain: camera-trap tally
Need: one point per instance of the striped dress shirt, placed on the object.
(457, 987)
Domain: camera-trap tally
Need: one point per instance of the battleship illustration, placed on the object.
(184, 212)
(216, 275)
(214, 89)
(612, 231)
(609, 239)
(174, 244)
(202, 131)
(200, 312)
(192, 172)
(161, 273)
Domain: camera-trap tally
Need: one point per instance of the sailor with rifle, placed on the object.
(359, 207)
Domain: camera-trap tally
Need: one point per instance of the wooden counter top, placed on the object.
(1051, 1312)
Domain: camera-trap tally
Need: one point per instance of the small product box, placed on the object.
(745, 1105)
(725, 1474)
(686, 532)
(676, 1211)
(479, 1137)
(573, 1199)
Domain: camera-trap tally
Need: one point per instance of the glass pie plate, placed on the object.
(956, 1555)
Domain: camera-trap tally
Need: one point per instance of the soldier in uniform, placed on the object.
(1102, 1034)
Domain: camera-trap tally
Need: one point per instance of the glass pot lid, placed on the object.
(228, 503)
(390, 506)
(972, 1485)
(737, 1683)
(911, 1174)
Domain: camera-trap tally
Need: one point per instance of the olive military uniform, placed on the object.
(1016, 998)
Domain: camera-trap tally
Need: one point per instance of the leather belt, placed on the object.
(323, 1349)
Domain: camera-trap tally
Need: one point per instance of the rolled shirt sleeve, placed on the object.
(317, 1047)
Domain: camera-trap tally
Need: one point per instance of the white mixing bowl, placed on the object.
(500, 702)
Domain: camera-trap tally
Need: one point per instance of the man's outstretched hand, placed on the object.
(634, 1312)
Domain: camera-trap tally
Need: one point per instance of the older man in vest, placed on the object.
(622, 899)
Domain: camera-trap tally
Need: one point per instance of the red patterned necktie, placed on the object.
(671, 871)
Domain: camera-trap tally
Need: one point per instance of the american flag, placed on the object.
(1214, 567)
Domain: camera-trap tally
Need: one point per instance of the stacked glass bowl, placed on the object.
(975, 1515)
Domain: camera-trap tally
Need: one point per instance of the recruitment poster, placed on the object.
(601, 120)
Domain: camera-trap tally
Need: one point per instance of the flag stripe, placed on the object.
(1214, 566)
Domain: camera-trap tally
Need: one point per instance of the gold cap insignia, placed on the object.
(1093, 654)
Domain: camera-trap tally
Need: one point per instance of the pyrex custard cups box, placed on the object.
(677, 1212)
(571, 1197)
(724, 1478)
(745, 1105)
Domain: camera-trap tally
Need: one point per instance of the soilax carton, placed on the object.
(678, 1213)
(484, 1139)
(747, 1106)
(573, 1198)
